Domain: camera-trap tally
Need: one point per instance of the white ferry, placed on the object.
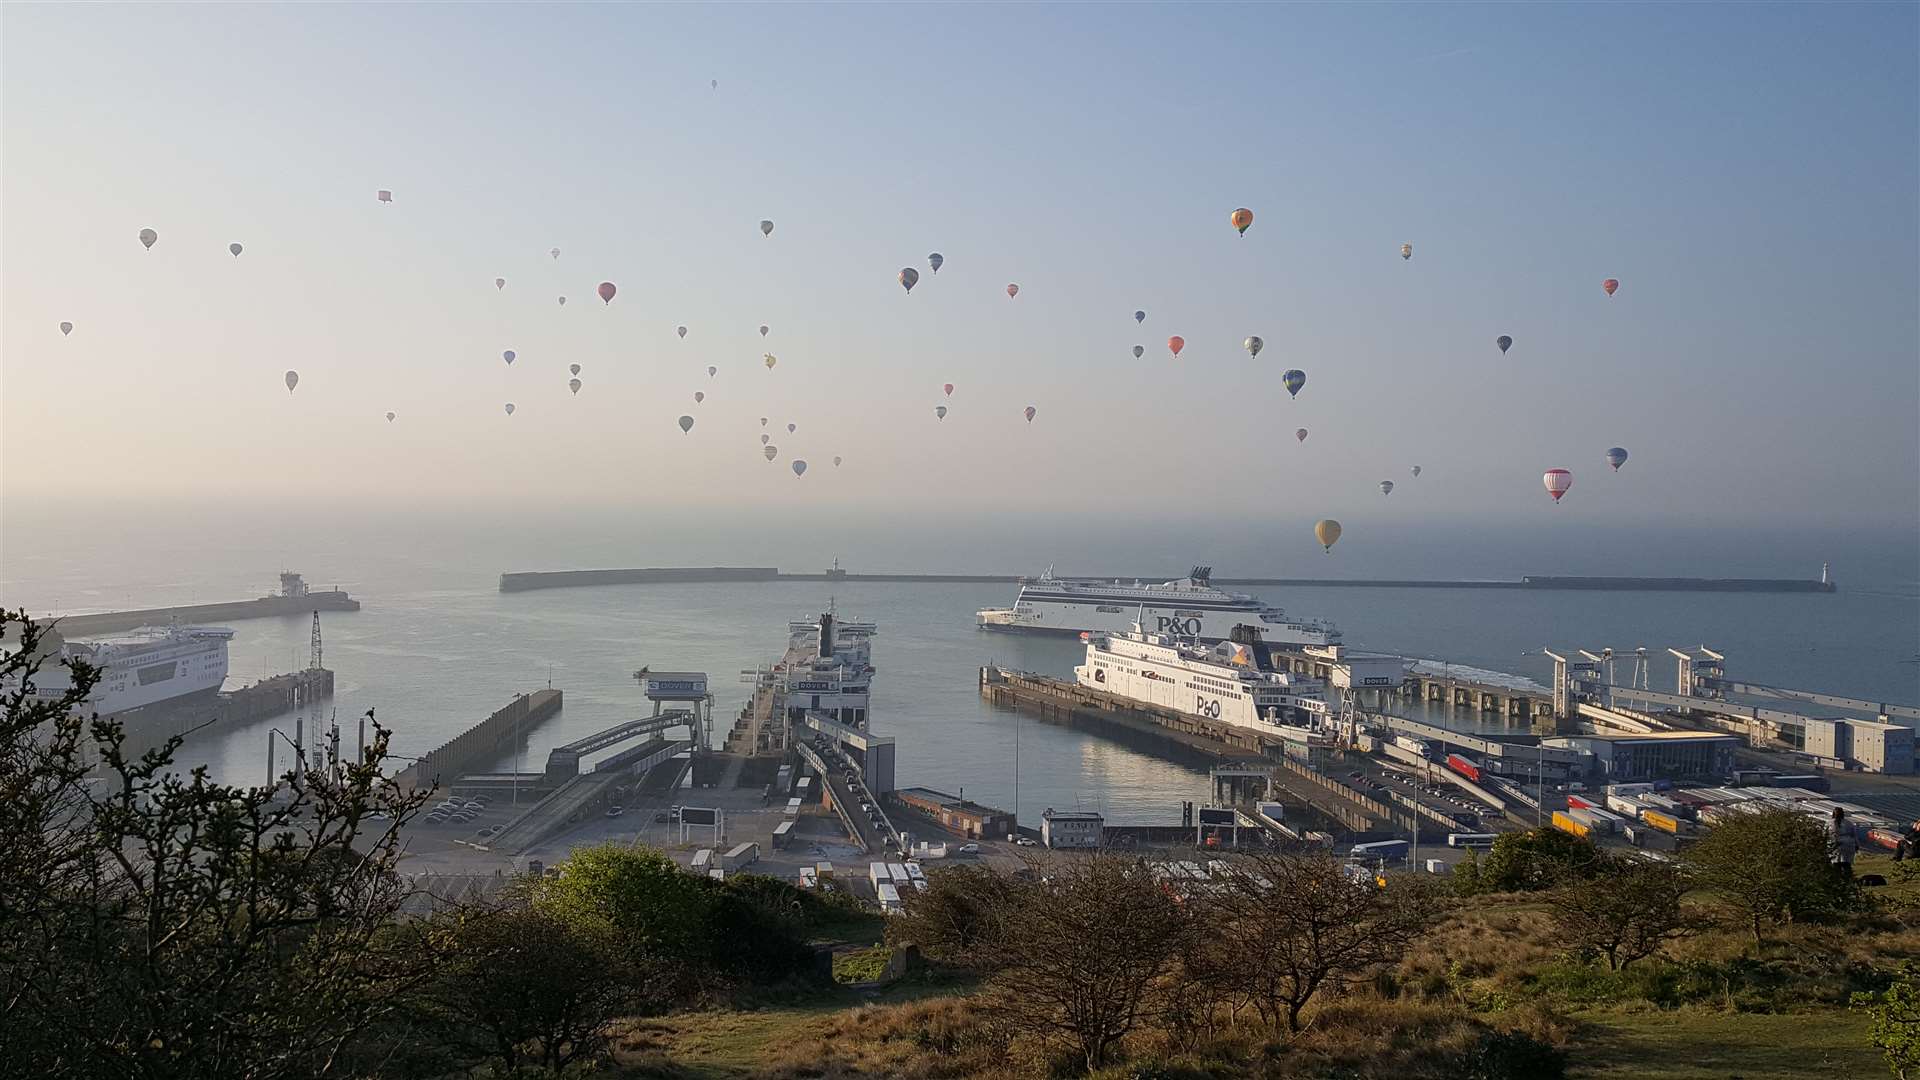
(1233, 682)
(1190, 607)
(143, 667)
(828, 668)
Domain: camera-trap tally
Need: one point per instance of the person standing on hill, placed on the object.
(1843, 841)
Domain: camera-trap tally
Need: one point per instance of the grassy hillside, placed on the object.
(1711, 1007)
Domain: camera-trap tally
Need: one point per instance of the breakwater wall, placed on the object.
(482, 743)
(523, 581)
(77, 627)
(276, 695)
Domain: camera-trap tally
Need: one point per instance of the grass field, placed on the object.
(1691, 1044)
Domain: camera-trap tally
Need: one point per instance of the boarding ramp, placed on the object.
(563, 762)
(846, 792)
(582, 795)
(874, 753)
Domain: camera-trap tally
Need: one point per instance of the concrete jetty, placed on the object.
(481, 743)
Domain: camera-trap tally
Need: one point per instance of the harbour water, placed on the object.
(437, 646)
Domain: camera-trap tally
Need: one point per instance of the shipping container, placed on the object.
(1627, 806)
(1388, 850)
(793, 807)
(781, 833)
(914, 873)
(741, 855)
(1566, 824)
(808, 879)
(1582, 802)
(1810, 781)
(1596, 821)
(889, 897)
(804, 786)
(1437, 866)
(1464, 765)
(1666, 823)
(879, 874)
(702, 860)
(1628, 789)
(896, 872)
(1471, 839)
(825, 870)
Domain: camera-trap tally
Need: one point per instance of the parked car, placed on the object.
(969, 849)
(616, 811)
(1027, 841)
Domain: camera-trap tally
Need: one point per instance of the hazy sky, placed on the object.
(1748, 172)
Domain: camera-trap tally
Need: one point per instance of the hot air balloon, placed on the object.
(909, 277)
(770, 452)
(1030, 411)
(686, 423)
(1616, 457)
(1253, 345)
(712, 371)
(699, 396)
(1327, 531)
(384, 195)
(1012, 291)
(791, 428)
(508, 356)
(1139, 351)
(763, 421)
(293, 380)
(1416, 471)
(1175, 344)
(765, 439)
(714, 83)
(1242, 219)
(1386, 487)
(766, 228)
(939, 412)
(763, 329)
(607, 289)
(948, 387)
(1504, 342)
(1139, 316)
(1293, 380)
(769, 360)
(509, 408)
(1612, 285)
(573, 369)
(1300, 434)
(389, 418)
(147, 237)
(1406, 251)
(1557, 481)
(573, 385)
(499, 283)
(66, 328)
(563, 301)
(555, 253)
(799, 468)
(935, 261)
(836, 461)
(681, 330)
(235, 248)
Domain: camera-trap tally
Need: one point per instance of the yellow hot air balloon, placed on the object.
(769, 360)
(1242, 219)
(1327, 531)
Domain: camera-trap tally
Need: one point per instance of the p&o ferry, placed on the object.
(1188, 608)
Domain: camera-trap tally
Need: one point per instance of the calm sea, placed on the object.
(437, 646)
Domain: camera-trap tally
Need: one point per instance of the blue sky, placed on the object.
(1747, 172)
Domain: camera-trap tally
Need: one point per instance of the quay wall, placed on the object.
(481, 743)
(77, 627)
(520, 581)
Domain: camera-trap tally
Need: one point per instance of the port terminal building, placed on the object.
(956, 814)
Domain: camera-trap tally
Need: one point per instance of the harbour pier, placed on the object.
(294, 598)
(481, 743)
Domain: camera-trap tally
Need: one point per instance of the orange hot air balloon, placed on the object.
(1612, 285)
(607, 289)
(1175, 344)
(1242, 220)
